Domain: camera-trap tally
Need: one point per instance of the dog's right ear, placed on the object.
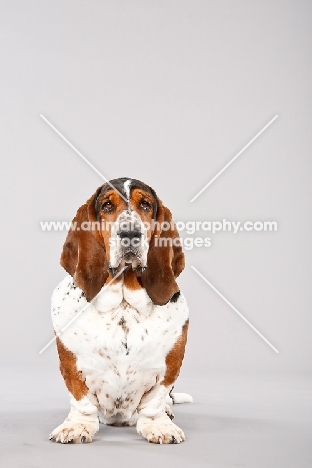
(165, 260)
(84, 253)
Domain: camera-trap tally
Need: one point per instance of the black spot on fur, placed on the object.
(175, 297)
(170, 415)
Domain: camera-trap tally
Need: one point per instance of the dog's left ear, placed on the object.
(165, 259)
(84, 253)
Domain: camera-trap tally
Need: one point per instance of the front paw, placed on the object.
(160, 430)
(71, 432)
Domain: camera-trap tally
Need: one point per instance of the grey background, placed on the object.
(166, 92)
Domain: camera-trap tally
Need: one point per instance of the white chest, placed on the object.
(120, 341)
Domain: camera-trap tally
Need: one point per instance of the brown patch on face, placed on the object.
(85, 253)
(109, 205)
(72, 377)
(144, 204)
(131, 281)
(175, 357)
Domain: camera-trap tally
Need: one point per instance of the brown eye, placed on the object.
(145, 205)
(107, 207)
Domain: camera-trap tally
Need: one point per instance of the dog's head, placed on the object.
(124, 224)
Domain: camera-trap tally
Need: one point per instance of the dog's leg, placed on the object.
(153, 422)
(80, 425)
(82, 422)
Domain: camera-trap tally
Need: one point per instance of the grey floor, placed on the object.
(234, 422)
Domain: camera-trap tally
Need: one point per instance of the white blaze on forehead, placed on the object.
(127, 188)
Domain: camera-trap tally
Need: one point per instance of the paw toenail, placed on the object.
(83, 439)
(173, 440)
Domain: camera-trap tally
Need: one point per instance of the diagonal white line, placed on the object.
(232, 160)
(234, 308)
(82, 156)
(80, 312)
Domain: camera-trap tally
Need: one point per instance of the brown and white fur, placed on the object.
(121, 356)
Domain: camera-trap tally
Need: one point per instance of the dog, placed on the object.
(119, 317)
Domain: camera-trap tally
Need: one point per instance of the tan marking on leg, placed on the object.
(175, 357)
(72, 377)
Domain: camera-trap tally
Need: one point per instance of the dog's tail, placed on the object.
(178, 398)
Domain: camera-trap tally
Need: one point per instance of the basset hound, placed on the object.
(119, 317)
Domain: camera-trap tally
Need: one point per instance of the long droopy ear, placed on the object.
(84, 254)
(165, 259)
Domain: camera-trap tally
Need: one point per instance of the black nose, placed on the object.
(127, 234)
